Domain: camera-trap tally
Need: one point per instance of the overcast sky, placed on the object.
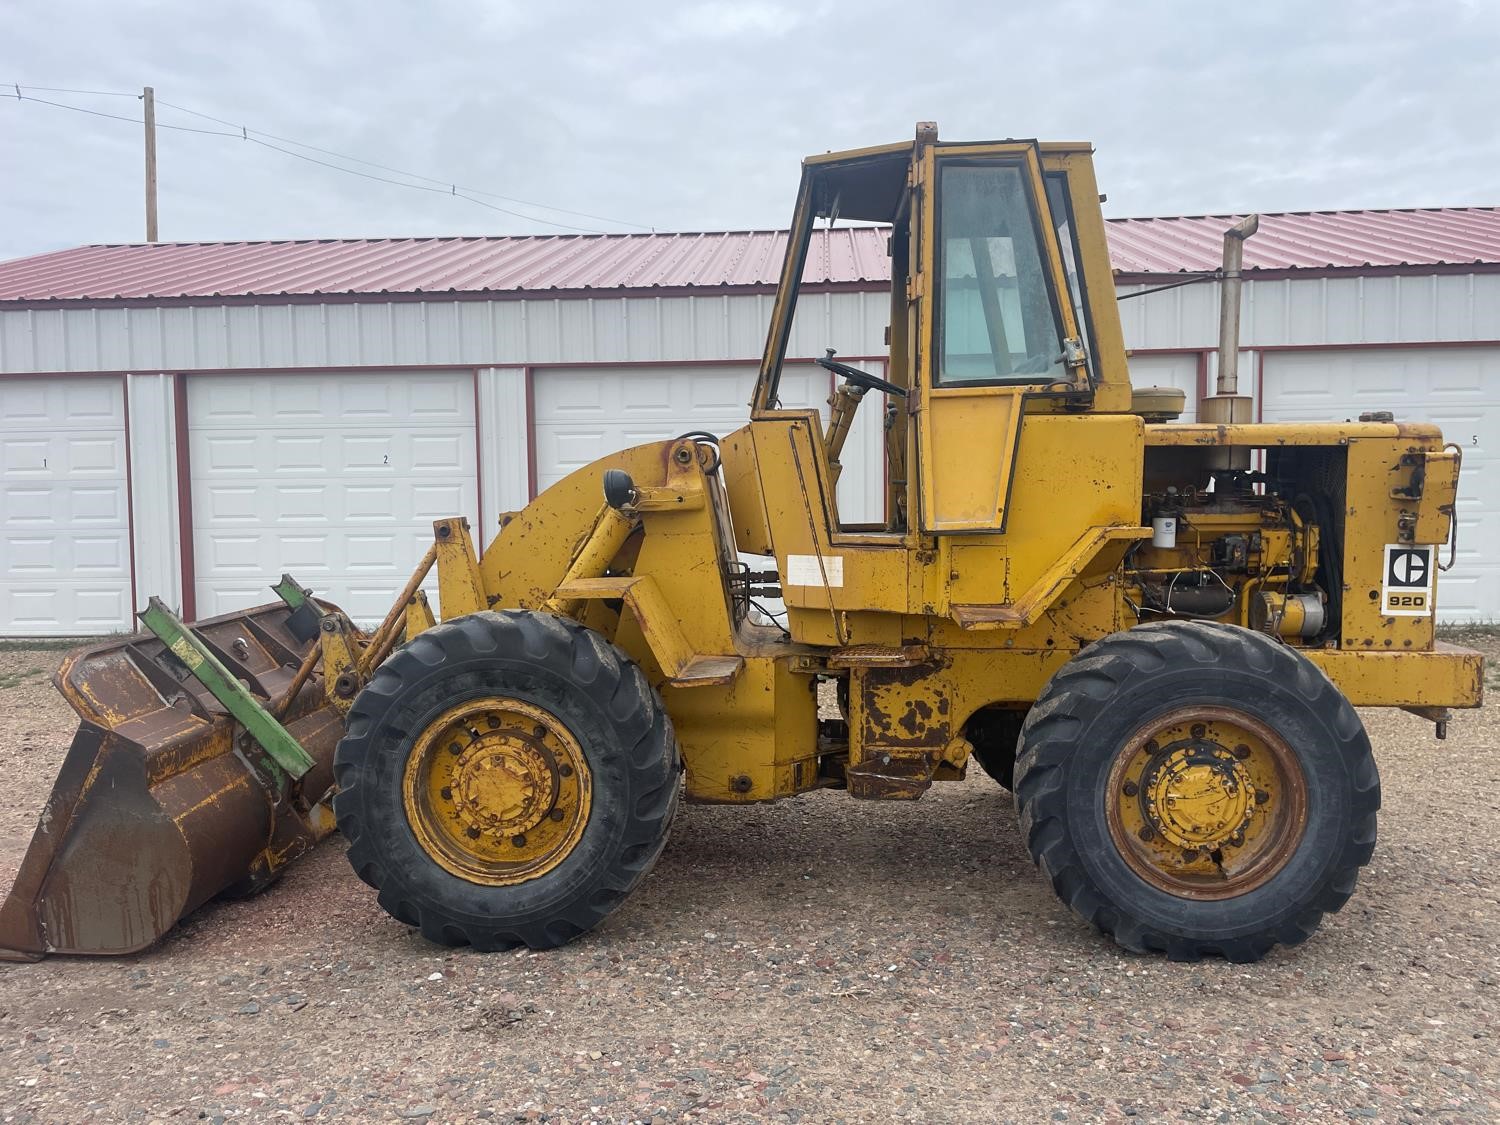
(694, 116)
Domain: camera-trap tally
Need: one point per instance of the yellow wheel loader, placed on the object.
(1154, 633)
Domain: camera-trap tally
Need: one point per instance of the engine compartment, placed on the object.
(1257, 548)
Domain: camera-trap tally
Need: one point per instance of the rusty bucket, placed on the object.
(164, 801)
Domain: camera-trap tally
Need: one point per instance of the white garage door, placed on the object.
(1454, 387)
(64, 519)
(581, 414)
(1180, 371)
(335, 478)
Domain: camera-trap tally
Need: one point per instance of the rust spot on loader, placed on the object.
(905, 707)
(160, 804)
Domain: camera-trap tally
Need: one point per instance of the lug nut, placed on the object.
(518, 841)
(565, 770)
(1261, 796)
(539, 732)
(556, 814)
(1130, 789)
(1242, 751)
(455, 748)
(447, 793)
(1146, 833)
(473, 833)
(1199, 730)
(1151, 747)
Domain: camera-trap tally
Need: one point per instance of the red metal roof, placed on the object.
(1313, 240)
(439, 265)
(727, 259)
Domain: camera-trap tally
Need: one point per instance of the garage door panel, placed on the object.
(369, 501)
(61, 403)
(96, 505)
(718, 396)
(59, 608)
(292, 453)
(1460, 374)
(434, 501)
(225, 453)
(1452, 387)
(581, 414)
(437, 453)
(338, 483)
(76, 556)
(300, 503)
(62, 456)
(64, 520)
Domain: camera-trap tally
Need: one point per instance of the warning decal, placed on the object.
(1406, 589)
(810, 570)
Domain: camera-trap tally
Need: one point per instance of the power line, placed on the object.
(243, 132)
(116, 116)
(66, 90)
(452, 188)
(452, 191)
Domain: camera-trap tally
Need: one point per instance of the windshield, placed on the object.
(998, 321)
(864, 187)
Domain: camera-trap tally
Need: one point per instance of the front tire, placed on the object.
(1195, 788)
(506, 778)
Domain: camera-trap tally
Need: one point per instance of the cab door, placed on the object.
(994, 327)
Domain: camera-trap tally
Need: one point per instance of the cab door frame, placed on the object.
(978, 418)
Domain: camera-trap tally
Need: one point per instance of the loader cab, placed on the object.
(995, 249)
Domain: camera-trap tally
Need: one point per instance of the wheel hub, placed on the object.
(504, 785)
(1205, 802)
(1198, 796)
(497, 791)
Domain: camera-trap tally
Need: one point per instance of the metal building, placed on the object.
(193, 419)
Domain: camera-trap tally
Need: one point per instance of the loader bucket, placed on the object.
(164, 800)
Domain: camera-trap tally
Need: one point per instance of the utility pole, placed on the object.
(149, 96)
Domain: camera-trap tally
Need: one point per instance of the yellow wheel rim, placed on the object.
(1206, 803)
(497, 791)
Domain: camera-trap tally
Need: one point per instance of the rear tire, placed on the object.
(548, 692)
(1280, 849)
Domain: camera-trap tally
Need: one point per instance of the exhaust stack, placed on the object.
(1227, 404)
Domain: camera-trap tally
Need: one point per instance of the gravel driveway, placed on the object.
(818, 960)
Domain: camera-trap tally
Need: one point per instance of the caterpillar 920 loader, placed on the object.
(1154, 633)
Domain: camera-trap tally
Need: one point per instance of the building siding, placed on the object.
(1426, 308)
(1406, 308)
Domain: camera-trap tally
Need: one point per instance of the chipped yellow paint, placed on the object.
(497, 791)
(1206, 803)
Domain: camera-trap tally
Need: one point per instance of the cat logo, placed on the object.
(1407, 587)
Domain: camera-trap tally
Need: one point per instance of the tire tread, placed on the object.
(592, 665)
(1051, 737)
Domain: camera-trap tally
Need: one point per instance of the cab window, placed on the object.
(997, 315)
(1067, 244)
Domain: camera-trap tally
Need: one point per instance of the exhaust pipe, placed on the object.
(1229, 305)
(1226, 405)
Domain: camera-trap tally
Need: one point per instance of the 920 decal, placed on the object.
(1406, 589)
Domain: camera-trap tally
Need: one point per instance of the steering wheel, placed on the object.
(857, 377)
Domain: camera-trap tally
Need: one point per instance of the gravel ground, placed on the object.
(819, 960)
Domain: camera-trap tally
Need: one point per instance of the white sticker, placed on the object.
(1406, 588)
(808, 570)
